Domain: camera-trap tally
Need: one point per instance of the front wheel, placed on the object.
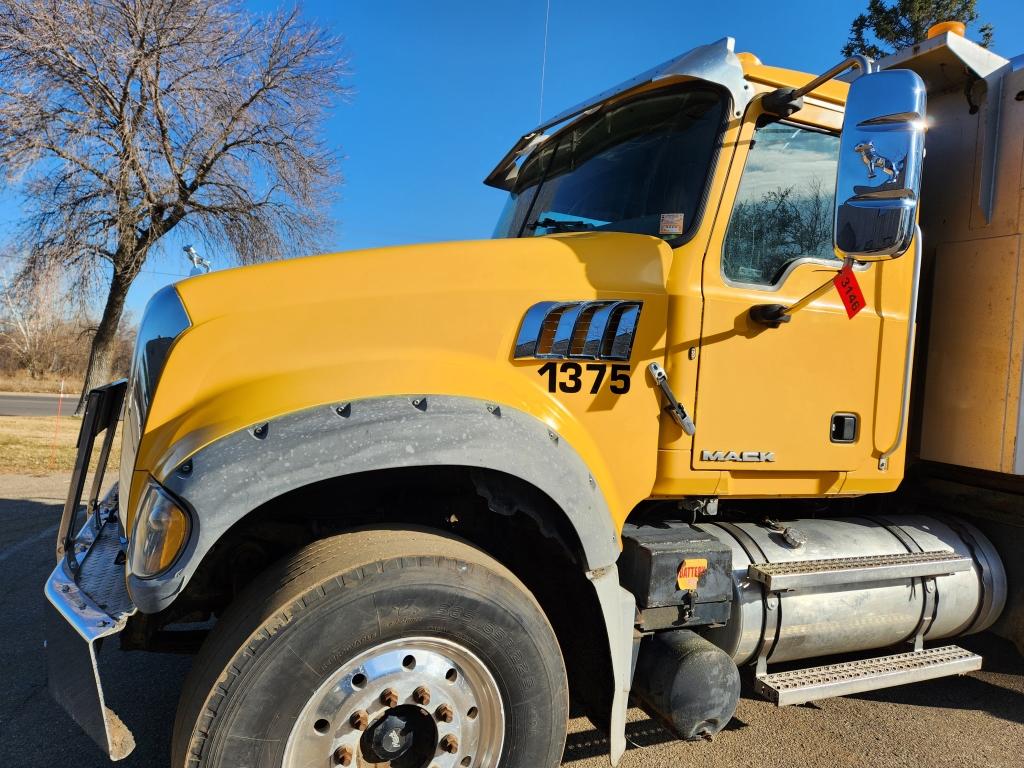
(395, 647)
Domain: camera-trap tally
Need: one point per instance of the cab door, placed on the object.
(809, 396)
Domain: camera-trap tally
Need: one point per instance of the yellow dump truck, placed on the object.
(718, 396)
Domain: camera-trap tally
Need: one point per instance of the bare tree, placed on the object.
(126, 119)
(32, 314)
(766, 234)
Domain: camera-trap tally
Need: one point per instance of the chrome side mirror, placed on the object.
(881, 151)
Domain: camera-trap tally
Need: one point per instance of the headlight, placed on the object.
(159, 533)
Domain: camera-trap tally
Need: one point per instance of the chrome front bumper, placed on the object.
(86, 592)
(82, 612)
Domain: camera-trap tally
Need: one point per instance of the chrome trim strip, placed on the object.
(618, 345)
(610, 330)
(564, 331)
(829, 264)
(595, 331)
(908, 360)
(529, 329)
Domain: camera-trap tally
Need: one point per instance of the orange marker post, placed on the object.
(56, 427)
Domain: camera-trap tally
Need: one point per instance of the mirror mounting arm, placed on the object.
(783, 102)
(773, 315)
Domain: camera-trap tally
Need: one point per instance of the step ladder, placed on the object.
(805, 574)
(802, 685)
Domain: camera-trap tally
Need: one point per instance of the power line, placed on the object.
(544, 63)
(141, 271)
(165, 274)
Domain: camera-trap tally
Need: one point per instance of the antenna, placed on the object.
(544, 63)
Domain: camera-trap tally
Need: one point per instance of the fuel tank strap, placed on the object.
(987, 581)
(771, 603)
(929, 585)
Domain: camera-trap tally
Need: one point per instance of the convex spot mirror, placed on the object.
(881, 151)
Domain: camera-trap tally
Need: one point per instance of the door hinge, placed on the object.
(675, 408)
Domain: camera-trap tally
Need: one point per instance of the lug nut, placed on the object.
(449, 744)
(343, 756)
(389, 698)
(359, 720)
(421, 696)
(444, 713)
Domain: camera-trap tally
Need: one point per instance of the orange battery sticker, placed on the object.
(690, 572)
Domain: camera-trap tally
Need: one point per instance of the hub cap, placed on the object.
(418, 702)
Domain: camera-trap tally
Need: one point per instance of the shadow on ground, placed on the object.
(34, 731)
(975, 720)
(970, 692)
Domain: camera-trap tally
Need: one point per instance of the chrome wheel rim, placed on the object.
(416, 702)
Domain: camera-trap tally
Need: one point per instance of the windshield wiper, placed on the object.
(564, 225)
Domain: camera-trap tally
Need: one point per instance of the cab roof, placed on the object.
(715, 63)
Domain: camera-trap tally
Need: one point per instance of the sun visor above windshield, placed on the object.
(715, 63)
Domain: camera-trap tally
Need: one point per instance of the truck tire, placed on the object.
(377, 645)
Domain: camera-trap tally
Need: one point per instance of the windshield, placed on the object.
(641, 166)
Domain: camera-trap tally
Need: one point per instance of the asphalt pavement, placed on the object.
(963, 722)
(19, 404)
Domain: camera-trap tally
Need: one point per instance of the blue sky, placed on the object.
(444, 88)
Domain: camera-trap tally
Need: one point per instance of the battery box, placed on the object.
(679, 575)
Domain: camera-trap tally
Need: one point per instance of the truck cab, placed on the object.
(746, 208)
(652, 434)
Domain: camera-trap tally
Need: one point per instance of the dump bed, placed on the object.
(968, 384)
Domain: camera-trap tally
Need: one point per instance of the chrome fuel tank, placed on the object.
(830, 619)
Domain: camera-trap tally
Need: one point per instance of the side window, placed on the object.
(783, 210)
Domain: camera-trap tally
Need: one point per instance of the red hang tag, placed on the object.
(849, 290)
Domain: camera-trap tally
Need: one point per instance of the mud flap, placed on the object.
(81, 614)
(73, 678)
(619, 609)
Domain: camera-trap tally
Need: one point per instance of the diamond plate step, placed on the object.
(101, 576)
(802, 685)
(804, 574)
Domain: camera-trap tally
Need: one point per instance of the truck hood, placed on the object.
(442, 318)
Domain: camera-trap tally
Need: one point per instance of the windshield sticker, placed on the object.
(671, 224)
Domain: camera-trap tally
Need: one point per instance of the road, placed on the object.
(966, 722)
(17, 404)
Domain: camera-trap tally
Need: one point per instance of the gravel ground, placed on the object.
(964, 722)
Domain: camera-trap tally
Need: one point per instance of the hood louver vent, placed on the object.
(580, 330)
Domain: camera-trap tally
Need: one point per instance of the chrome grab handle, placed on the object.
(675, 408)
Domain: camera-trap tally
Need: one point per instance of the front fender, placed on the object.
(242, 471)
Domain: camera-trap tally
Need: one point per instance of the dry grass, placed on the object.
(22, 382)
(38, 445)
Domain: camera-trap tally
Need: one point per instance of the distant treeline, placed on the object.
(44, 336)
